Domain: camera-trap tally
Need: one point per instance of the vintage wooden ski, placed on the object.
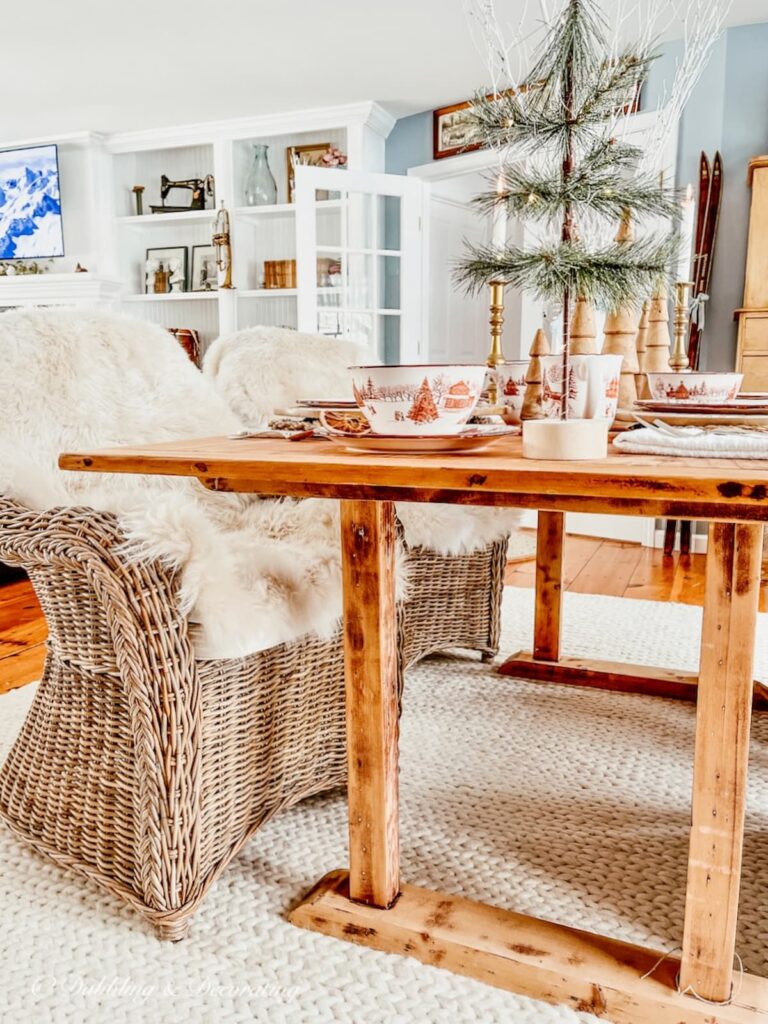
(707, 219)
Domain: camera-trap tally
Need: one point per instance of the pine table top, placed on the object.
(731, 489)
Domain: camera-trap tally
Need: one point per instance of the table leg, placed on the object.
(549, 585)
(723, 714)
(545, 664)
(370, 657)
(588, 973)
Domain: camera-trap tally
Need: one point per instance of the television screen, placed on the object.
(30, 204)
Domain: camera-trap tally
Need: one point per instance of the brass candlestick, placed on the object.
(678, 358)
(496, 355)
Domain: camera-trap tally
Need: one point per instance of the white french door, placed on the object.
(359, 259)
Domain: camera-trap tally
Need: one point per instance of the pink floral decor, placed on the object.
(333, 157)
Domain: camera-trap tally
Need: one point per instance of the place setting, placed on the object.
(399, 410)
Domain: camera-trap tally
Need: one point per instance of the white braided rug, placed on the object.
(564, 803)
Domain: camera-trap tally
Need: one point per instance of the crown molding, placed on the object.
(57, 289)
(370, 114)
(71, 139)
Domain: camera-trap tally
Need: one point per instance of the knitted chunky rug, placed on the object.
(565, 803)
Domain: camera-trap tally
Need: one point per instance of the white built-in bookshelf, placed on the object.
(105, 234)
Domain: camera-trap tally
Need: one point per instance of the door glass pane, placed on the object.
(389, 339)
(360, 327)
(329, 322)
(389, 282)
(359, 281)
(388, 222)
(329, 225)
(360, 227)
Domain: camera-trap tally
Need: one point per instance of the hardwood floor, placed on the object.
(592, 566)
(617, 569)
(22, 636)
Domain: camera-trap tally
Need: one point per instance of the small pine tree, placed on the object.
(563, 116)
(423, 409)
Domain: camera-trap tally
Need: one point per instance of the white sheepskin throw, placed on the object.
(263, 370)
(254, 572)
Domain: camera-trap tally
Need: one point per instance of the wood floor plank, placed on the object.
(25, 666)
(18, 606)
(653, 576)
(688, 584)
(608, 571)
(23, 632)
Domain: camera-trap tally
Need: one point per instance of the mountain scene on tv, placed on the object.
(30, 204)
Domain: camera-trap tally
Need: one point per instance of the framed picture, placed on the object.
(453, 130)
(165, 270)
(204, 274)
(310, 154)
(30, 204)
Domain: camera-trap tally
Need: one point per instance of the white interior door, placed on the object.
(455, 324)
(358, 259)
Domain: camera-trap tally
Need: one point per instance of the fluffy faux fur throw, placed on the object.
(262, 370)
(253, 572)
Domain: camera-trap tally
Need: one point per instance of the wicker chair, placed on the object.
(138, 766)
(145, 769)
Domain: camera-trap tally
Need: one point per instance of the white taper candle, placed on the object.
(688, 207)
(499, 220)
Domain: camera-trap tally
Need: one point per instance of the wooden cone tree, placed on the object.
(583, 330)
(620, 334)
(643, 391)
(657, 341)
(533, 378)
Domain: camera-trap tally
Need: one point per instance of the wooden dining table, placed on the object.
(368, 903)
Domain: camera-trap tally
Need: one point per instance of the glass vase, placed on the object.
(260, 185)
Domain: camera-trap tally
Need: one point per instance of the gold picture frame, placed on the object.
(310, 154)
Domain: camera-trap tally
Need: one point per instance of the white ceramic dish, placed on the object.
(411, 401)
(694, 387)
(475, 440)
(593, 390)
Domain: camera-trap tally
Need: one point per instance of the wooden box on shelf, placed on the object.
(279, 273)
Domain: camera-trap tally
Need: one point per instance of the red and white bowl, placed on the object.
(423, 400)
(691, 387)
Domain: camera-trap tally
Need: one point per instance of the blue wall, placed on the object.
(728, 110)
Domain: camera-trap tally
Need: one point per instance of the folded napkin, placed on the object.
(722, 443)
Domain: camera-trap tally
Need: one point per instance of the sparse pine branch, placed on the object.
(616, 275)
(571, 51)
(595, 187)
(615, 86)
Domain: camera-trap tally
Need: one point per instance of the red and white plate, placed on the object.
(744, 406)
(324, 403)
(469, 441)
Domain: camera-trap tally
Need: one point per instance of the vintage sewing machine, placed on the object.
(199, 187)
